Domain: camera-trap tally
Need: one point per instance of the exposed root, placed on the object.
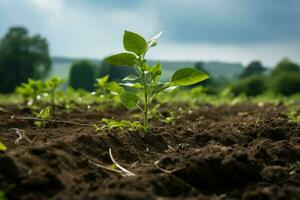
(125, 171)
(156, 164)
(21, 135)
(50, 120)
(119, 169)
(105, 167)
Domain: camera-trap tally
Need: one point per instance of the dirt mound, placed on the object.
(227, 152)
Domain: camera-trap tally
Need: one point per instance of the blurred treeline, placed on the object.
(256, 79)
(24, 56)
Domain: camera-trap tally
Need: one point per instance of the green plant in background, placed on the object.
(293, 115)
(50, 87)
(35, 90)
(170, 119)
(166, 117)
(286, 83)
(104, 89)
(142, 87)
(2, 148)
(31, 91)
(2, 196)
(44, 114)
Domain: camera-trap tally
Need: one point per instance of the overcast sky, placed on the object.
(224, 30)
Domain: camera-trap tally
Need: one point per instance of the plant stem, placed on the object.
(52, 99)
(146, 126)
(144, 80)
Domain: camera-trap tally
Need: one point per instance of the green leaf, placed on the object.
(159, 87)
(145, 67)
(2, 147)
(135, 43)
(103, 80)
(129, 99)
(188, 76)
(155, 71)
(153, 41)
(130, 78)
(122, 59)
(170, 89)
(52, 84)
(133, 85)
(114, 87)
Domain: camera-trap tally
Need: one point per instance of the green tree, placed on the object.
(22, 57)
(254, 68)
(83, 75)
(285, 65)
(286, 83)
(251, 86)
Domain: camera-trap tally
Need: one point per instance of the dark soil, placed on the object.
(227, 152)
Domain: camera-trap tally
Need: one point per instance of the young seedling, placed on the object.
(130, 125)
(2, 147)
(103, 89)
(31, 91)
(142, 87)
(293, 116)
(44, 114)
(34, 90)
(50, 87)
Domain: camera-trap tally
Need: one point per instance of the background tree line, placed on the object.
(24, 56)
(284, 79)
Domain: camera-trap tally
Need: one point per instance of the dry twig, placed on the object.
(21, 135)
(50, 120)
(156, 164)
(105, 167)
(121, 170)
(125, 171)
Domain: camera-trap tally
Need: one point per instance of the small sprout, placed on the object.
(2, 196)
(34, 90)
(114, 166)
(31, 91)
(50, 87)
(170, 119)
(107, 90)
(138, 90)
(2, 148)
(293, 116)
(97, 128)
(111, 124)
(43, 114)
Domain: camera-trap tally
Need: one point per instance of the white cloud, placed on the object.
(87, 31)
(269, 54)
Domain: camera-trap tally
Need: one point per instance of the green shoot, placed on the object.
(34, 90)
(111, 124)
(140, 89)
(293, 116)
(2, 196)
(43, 114)
(50, 87)
(31, 91)
(170, 119)
(104, 89)
(2, 148)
